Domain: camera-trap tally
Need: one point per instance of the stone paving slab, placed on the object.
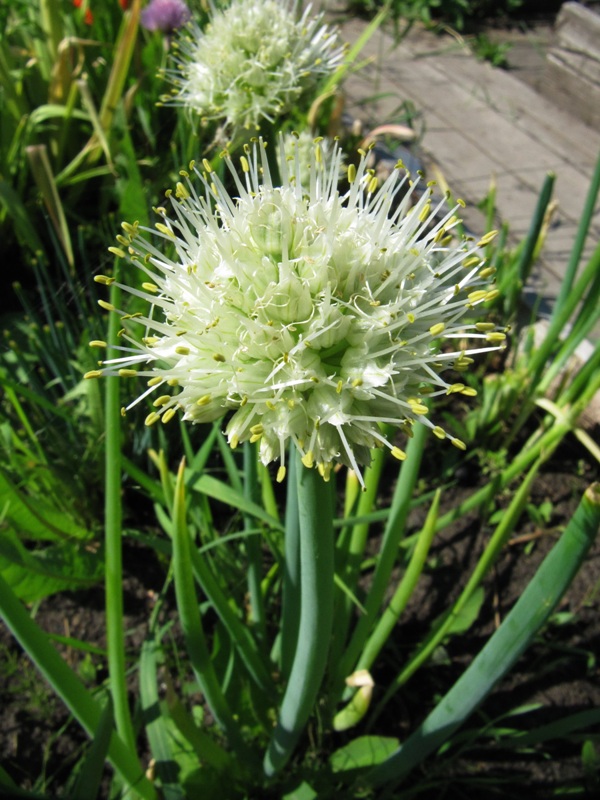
(482, 123)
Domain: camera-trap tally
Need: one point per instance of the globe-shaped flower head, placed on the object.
(254, 61)
(309, 315)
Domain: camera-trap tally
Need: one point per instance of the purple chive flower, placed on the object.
(165, 15)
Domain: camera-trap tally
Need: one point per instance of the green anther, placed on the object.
(128, 373)
(219, 357)
(182, 351)
(435, 330)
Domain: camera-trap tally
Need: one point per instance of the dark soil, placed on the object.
(559, 674)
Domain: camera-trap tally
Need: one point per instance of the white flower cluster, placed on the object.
(253, 63)
(313, 315)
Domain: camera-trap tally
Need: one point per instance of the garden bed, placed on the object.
(557, 678)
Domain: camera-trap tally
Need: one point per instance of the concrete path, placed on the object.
(479, 124)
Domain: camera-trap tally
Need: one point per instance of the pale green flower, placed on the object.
(313, 315)
(254, 61)
(299, 148)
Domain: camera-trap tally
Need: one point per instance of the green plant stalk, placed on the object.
(351, 547)
(580, 238)
(535, 228)
(394, 531)
(487, 559)
(51, 22)
(42, 173)
(315, 505)
(115, 634)
(558, 322)
(500, 653)
(290, 591)
(68, 686)
(191, 621)
(404, 591)
(253, 545)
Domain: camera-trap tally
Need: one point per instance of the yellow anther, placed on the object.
(155, 381)
(104, 279)
(116, 251)
(398, 453)
(416, 407)
(206, 165)
(93, 373)
(163, 229)
(339, 387)
(456, 387)
(162, 400)
(425, 211)
(492, 295)
(280, 474)
(487, 238)
(168, 415)
(468, 391)
(128, 373)
(204, 400)
(439, 432)
(181, 192)
(151, 418)
(483, 327)
(459, 444)
(471, 262)
(308, 460)
(181, 350)
(435, 330)
(150, 287)
(351, 173)
(486, 273)
(98, 343)
(476, 296)
(496, 336)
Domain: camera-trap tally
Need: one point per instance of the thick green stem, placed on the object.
(316, 615)
(290, 615)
